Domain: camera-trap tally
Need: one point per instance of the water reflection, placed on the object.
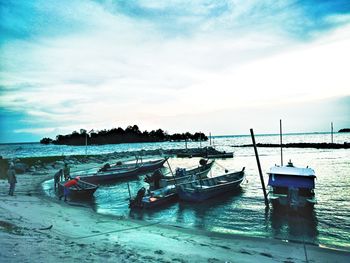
(295, 226)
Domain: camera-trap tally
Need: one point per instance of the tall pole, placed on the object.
(259, 168)
(129, 191)
(210, 138)
(85, 144)
(332, 131)
(281, 142)
(186, 143)
(171, 171)
(200, 139)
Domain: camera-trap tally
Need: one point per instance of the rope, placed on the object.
(115, 231)
(221, 166)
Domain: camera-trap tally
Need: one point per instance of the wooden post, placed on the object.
(172, 174)
(281, 142)
(210, 138)
(200, 139)
(186, 143)
(332, 132)
(129, 191)
(85, 145)
(259, 168)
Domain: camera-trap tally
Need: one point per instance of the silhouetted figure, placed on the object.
(11, 178)
(157, 176)
(67, 185)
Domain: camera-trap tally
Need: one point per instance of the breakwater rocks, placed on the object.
(45, 163)
(345, 145)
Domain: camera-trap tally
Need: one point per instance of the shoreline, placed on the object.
(78, 233)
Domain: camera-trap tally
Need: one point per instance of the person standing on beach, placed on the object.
(67, 185)
(11, 178)
(66, 172)
(58, 177)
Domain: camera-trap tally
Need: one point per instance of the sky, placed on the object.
(211, 66)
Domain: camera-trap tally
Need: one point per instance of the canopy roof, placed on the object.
(291, 170)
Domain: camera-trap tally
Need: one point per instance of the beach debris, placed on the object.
(46, 228)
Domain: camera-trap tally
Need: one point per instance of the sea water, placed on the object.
(241, 212)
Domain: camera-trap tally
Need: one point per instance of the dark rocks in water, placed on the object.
(205, 152)
(21, 167)
(323, 145)
(344, 130)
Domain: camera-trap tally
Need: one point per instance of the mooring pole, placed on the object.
(129, 191)
(210, 138)
(332, 132)
(172, 174)
(259, 168)
(281, 142)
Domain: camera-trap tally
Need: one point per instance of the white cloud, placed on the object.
(123, 71)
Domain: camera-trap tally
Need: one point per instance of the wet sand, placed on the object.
(37, 228)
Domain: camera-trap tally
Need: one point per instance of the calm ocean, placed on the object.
(242, 212)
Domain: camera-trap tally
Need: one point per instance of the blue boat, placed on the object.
(203, 189)
(292, 187)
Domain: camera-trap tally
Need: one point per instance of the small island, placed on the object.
(344, 130)
(131, 134)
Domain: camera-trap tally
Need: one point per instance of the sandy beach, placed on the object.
(38, 228)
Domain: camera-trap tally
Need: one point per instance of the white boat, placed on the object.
(291, 186)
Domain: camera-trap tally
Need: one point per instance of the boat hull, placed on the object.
(84, 190)
(114, 175)
(110, 177)
(199, 172)
(208, 188)
(284, 201)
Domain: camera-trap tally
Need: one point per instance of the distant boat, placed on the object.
(123, 172)
(204, 189)
(222, 155)
(291, 186)
(183, 175)
(81, 190)
(153, 199)
(207, 152)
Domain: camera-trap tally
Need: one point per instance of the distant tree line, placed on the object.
(131, 134)
(344, 130)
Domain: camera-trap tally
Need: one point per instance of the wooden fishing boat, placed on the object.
(111, 176)
(81, 190)
(144, 167)
(183, 175)
(121, 172)
(153, 199)
(292, 187)
(204, 189)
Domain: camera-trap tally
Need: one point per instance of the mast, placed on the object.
(281, 142)
(332, 132)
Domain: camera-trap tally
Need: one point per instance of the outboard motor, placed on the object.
(203, 162)
(105, 167)
(137, 201)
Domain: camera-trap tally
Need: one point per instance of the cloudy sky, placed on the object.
(212, 66)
